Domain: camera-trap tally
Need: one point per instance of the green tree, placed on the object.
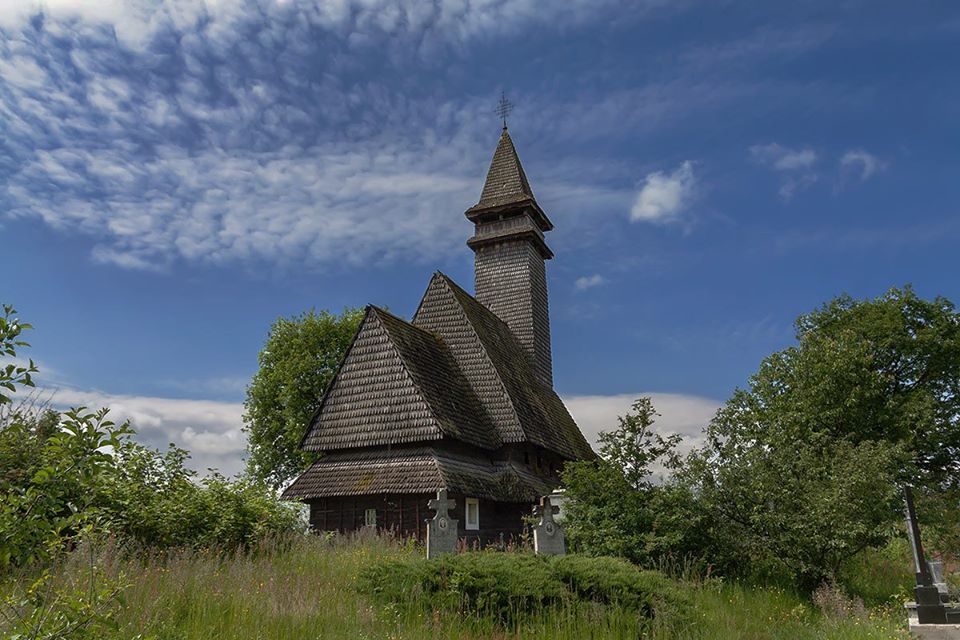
(804, 464)
(797, 507)
(13, 373)
(616, 509)
(297, 363)
(634, 446)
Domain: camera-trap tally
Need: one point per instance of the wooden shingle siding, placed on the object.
(522, 408)
(397, 384)
(372, 399)
(506, 180)
(418, 470)
(543, 417)
(506, 187)
(441, 312)
(436, 374)
(511, 281)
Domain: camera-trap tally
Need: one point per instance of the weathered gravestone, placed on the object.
(548, 538)
(929, 607)
(936, 575)
(441, 529)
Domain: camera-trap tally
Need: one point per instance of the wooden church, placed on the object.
(459, 398)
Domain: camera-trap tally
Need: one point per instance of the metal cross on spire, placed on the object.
(504, 107)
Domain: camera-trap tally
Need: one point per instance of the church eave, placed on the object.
(509, 206)
(534, 238)
(413, 471)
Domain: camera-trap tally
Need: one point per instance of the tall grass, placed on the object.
(305, 588)
(881, 576)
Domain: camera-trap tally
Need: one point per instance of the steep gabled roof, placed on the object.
(435, 372)
(418, 470)
(500, 370)
(397, 384)
(506, 182)
(507, 187)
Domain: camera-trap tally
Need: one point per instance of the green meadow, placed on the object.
(307, 588)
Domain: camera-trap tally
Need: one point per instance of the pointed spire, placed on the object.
(506, 182)
(507, 191)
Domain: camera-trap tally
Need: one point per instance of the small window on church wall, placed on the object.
(370, 518)
(473, 513)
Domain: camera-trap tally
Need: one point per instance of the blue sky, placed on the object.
(175, 174)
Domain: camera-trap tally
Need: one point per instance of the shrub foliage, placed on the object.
(801, 470)
(63, 474)
(512, 586)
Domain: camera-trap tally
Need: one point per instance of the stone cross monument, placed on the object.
(548, 538)
(441, 529)
(930, 609)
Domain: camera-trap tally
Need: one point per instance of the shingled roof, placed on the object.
(456, 372)
(397, 384)
(506, 181)
(506, 186)
(418, 470)
(500, 371)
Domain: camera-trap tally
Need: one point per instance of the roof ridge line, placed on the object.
(399, 319)
(454, 287)
(406, 367)
(474, 300)
(408, 371)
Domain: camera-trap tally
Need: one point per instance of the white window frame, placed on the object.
(475, 524)
(370, 518)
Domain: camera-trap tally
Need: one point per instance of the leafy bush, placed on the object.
(62, 473)
(77, 602)
(43, 512)
(616, 510)
(617, 582)
(153, 499)
(510, 586)
(13, 373)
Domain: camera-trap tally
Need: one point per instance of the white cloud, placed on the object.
(665, 196)
(795, 166)
(218, 167)
(792, 184)
(224, 386)
(681, 414)
(588, 282)
(239, 135)
(783, 158)
(137, 21)
(333, 202)
(865, 163)
(211, 431)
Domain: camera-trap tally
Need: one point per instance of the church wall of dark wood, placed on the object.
(403, 514)
(406, 515)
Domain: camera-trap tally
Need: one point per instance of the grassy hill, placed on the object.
(307, 589)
